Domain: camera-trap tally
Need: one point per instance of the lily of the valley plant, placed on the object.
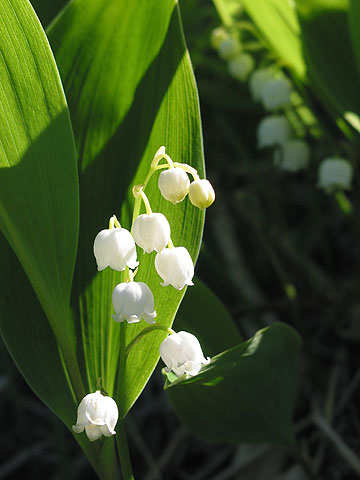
(133, 301)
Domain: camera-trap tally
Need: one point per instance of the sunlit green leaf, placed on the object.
(331, 65)
(38, 177)
(250, 391)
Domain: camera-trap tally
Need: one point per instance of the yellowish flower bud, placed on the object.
(217, 36)
(201, 193)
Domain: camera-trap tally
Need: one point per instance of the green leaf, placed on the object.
(130, 89)
(245, 394)
(205, 316)
(331, 65)
(38, 175)
(277, 22)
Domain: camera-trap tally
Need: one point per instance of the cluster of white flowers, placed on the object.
(115, 247)
(269, 86)
(274, 92)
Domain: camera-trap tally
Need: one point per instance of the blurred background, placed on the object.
(276, 247)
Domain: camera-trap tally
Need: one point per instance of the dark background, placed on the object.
(266, 230)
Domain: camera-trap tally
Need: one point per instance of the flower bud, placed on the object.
(201, 193)
(229, 48)
(273, 130)
(174, 184)
(217, 36)
(181, 352)
(151, 232)
(241, 66)
(275, 94)
(133, 301)
(115, 248)
(97, 414)
(175, 267)
(292, 156)
(258, 80)
(335, 174)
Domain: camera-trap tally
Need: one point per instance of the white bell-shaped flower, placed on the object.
(97, 414)
(258, 80)
(275, 94)
(133, 301)
(229, 48)
(201, 193)
(335, 174)
(217, 36)
(151, 232)
(241, 66)
(115, 248)
(181, 352)
(175, 267)
(174, 184)
(292, 156)
(273, 130)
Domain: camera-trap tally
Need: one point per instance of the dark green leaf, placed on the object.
(245, 394)
(205, 316)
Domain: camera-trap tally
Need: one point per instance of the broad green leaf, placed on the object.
(331, 65)
(38, 175)
(205, 316)
(130, 88)
(245, 394)
(39, 216)
(277, 22)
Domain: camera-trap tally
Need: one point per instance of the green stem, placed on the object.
(144, 332)
(121, 440)
(123, 449)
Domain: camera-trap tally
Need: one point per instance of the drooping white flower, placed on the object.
(175, 267)
(201, 193)
(258, 80)
(217, 36)
(181, 352)
(335, 174)
(229, 48)
(241, 66)
(174, 184)
(293, 155)
(97, 414)
(115, 248)
(151, 232)
(273, 130)
(275, 94)
(133, 301)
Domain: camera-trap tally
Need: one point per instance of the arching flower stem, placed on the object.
(144, 332)
(184, 166)
(114, 223)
